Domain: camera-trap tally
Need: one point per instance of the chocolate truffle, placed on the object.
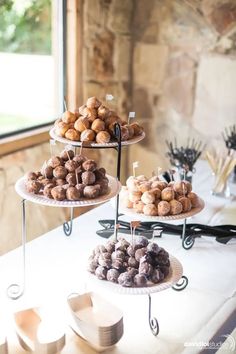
(72, 193)
(71, 179)
(104, 186)
(110, 246)
(105, 259)
(100, 249)
(145, 268)
(156, 276)
(132, 262)
(117, 264)
(131, 250)
(139, 253)
(92, 266)
(67, 154)
(79, 159)
(113, 275)
(47, 171)
(138, 130)
(80, 188)
(140, 280)
(101, 272)
(91, 192)
(141, 241)
(88, 178)
(58, 193)
(89, 165)
(100, 173)
(153, 247)
(71, 165)
(47, 190)
(124, 133)
(118, 254)
(60, 182)
(60, 172)
(165, 270)
(33, 186)
(125, 279)
(132, 271)
(163, 208)
(31, 176)
(122, 245)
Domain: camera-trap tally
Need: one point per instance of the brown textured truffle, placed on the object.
(60, 172)
(67, 154)
(54, 162)
(88, 178)
(124, 133)
(71, 165)
(58, 193)
(113, 275)
(140, 280)
(89, 165)
(33, 186)
(91, 191)
(72, 193)
(125, 279)
(101, 272)
(47, 190)
(31, 176)
(138, 130)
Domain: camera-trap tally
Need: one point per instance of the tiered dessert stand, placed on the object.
(15, 291)
(175, 279)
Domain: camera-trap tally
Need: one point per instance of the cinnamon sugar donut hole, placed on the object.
(72, 134)
(163, 208)
(98, 125)
(167, 194)
(87, 135)
(82, 124)
(175, 207)
(180, 188)
(148, 198)
(102, 112)
(135, 196)
(93, 102)
(103, 137)
(194, 199)
(144, 186)
(186, 203)
(159, 184)
(138, 206)
(150, 210)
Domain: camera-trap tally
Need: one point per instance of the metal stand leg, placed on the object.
(153, 323)
(182, 283)
(118, 137)
(15, 291)
(68, 225)
(187, 241)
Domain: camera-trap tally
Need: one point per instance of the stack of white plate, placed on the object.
(96, 320)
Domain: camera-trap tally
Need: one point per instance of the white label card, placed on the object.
(109, 97)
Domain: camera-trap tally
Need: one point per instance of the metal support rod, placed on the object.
(68, 225)
(184, 230)
(15, 291)
(153, 323)
(118, 137)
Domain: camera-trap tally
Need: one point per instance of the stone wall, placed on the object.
(184, 68)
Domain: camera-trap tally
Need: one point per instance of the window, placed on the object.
(30, 87)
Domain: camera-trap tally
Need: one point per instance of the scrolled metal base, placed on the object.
(68, 225)
(14, 291)
(153, 323)
(188, 242)
(182, 283)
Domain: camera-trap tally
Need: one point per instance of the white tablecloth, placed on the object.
(56, 263)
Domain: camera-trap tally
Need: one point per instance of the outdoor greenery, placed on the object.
(25, 26)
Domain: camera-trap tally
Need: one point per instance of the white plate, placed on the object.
(142, 217)
(176, 272)
(93, 144)
(114, 189)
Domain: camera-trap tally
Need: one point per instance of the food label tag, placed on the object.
(109, 97)
(131, 116)
(156, 233)
(135, 165)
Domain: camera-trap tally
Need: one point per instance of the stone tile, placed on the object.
(122, 58)
(151, 72)
(120, 16)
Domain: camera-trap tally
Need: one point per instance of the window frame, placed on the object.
(33, 135)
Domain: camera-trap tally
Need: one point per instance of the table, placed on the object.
(56, 265)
